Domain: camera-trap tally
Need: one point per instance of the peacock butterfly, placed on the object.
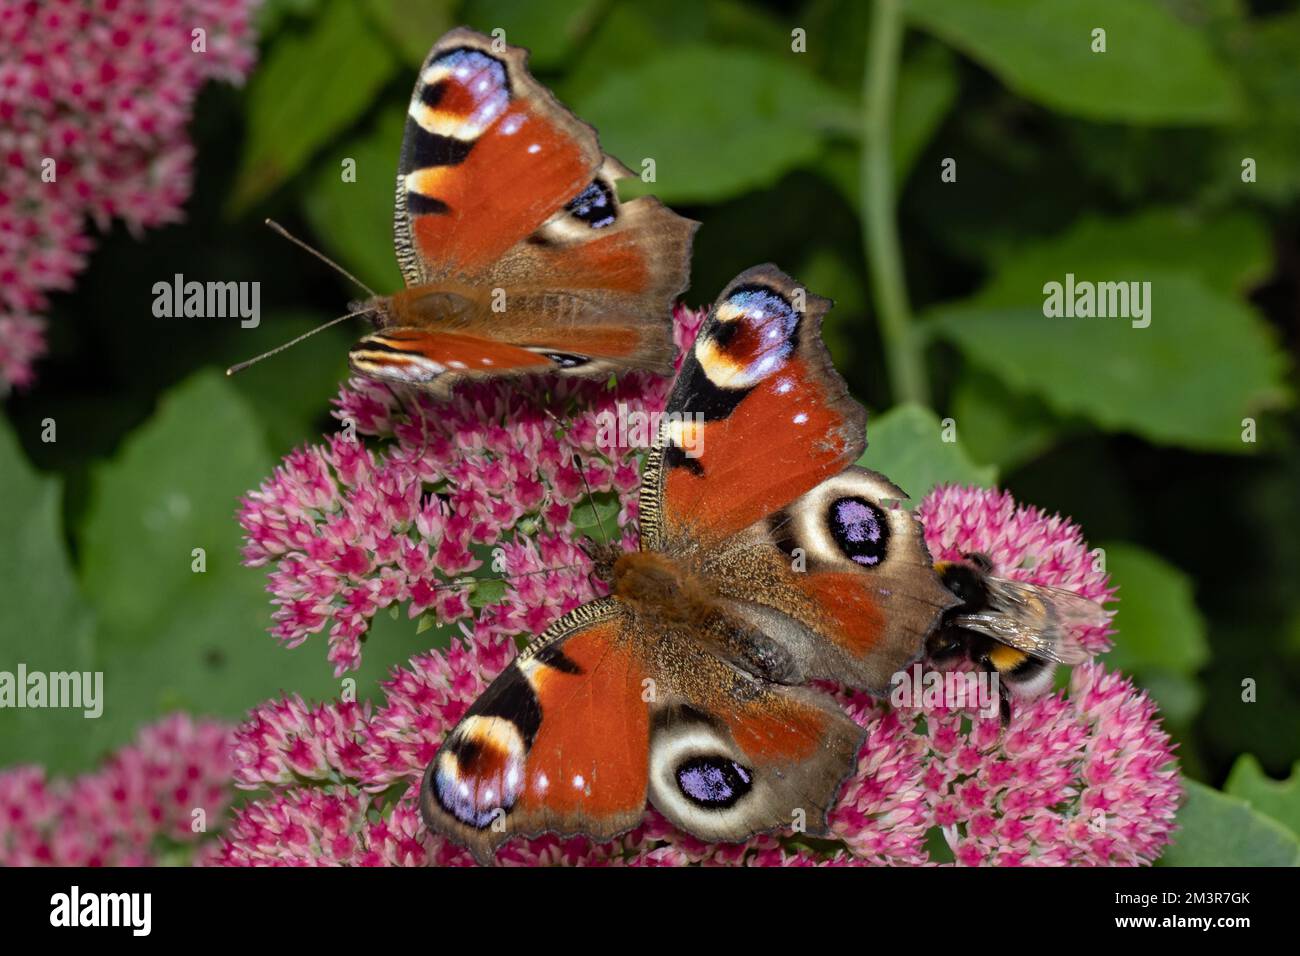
(517, 254)
(767, 561)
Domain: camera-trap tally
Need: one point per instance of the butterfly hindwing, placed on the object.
(841, 577)
(435, 360)
(593, 271)
(733, 754)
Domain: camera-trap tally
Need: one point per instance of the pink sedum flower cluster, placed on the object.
(349, 532)
(131, 811)
(105, 89)
(1084, 777)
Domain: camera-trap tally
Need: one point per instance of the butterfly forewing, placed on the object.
(509, 233)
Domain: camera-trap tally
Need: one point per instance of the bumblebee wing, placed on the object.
(1044, 622)
(1021, 635)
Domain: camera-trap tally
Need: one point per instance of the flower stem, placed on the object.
(903, 349)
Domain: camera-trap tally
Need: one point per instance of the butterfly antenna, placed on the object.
(292, 342)
(468, 582)
(582, 473)
(319, 255)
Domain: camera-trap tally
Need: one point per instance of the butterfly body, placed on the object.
(653, 584)
(518, 256)
(767, 561)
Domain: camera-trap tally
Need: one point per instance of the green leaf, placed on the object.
(487, 591)
(1229, 252)
(413, 26)
(907, 445)
(549, 31)
(173, 487)
(716, 121)
(1155, 70)
(626, 36)
(270, 16)
(1203, 364)
(1180, 698)
(46, 623)
(1278, 799)
(312, 86)
(1161, 636)
(354, 219)
(596, 515)
(172, 637)
(1263, 52)
(1157, 619)
(998, 425)
(1215, 829)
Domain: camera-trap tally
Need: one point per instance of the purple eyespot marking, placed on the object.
(713, 782)
(594, 205)
(856, 521)
(860, 529)
(484, 78)
(761, 332)
(474, 778)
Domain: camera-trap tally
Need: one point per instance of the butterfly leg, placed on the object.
(398, 399)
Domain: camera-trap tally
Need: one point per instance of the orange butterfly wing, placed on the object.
(508, 228)
(603, 711)
(488, 156)
(752, 479)
(535, 753)
(757, 417)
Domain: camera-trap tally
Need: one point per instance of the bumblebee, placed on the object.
(1020, 632)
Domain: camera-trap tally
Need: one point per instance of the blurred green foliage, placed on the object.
(1123, 165)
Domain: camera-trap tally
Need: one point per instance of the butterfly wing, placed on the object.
(558, 743)
(598, 278)
(733, 754)
(840, 579)
(509, 230)
(607, 709)
(488, 155)
(752, 481)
